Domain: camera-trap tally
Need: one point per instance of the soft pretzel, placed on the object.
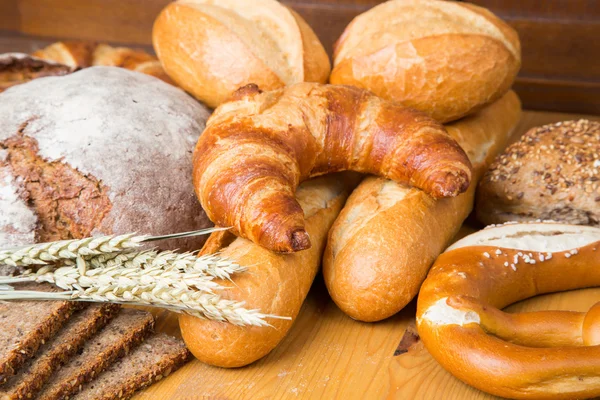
(259, 146)
(546, 354)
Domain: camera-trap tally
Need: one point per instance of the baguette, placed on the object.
(275, 283)
(388, 235)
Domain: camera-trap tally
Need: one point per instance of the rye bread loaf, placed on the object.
(26, 325)
(151, 361)
(124, 332)
(551, 173)
(55, 352)
(102, 150)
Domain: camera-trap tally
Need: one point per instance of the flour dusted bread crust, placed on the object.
(276, 284)
(534, 355)
(388, 234)
(211, 48)
(258, 146)
(446, 58)
(551, 173)
(100, 151)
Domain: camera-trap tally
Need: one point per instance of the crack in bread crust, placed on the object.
(68, 203)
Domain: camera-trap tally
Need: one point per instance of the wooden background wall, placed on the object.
(560, 38)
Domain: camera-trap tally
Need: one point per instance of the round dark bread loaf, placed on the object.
(551, 173)
(100, 151)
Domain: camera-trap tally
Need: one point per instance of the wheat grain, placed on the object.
(190, 292)
(44, 253)
(69, 250)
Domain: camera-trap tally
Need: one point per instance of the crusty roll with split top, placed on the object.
(445, 58)
(277, 284)
(211, 48)
(535, 355)
(388, 234)
(260, 145)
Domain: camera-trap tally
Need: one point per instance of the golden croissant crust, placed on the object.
(258, 147)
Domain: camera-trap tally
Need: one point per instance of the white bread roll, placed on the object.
(212, 48)
(445, 58)
(276, 284)
(388, 235)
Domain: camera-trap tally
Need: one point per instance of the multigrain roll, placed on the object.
(446, 58)
(552, 173)
(211, 48)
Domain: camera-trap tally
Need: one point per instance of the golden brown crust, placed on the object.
(445, 59)
(529, 355)
(258, 147)
(551, 173)
(212, 48)
(83, 54)
(388, 235)
(275, 283)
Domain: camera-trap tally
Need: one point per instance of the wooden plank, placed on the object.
(327, 355)
(10, 18)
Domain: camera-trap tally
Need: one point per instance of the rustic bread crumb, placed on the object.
(125, 331)
(153, 360)
(26, 325)
(80, 327)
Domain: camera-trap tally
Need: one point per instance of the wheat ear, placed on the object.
(167, 288)
(44, 253)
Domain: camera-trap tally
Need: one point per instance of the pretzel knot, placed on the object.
(533, 355)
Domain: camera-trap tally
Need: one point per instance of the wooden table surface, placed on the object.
(327, 355)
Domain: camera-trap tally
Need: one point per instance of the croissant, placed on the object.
(258, 147)
(83, 54)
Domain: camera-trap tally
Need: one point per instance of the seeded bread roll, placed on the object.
(552, 173)
(446, 58)
(103, 150)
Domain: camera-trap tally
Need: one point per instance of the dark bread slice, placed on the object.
(151, 361)
(124, 332)
(26, 325)
(57, 351)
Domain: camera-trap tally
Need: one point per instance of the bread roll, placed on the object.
(275, 283)
(388, 235)
(82, 54)
(446, 58)
(100, 151)
(551, 173)
(212, 48)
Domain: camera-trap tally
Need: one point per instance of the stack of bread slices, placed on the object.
(59, 349)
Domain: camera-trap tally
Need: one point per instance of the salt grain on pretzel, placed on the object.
(545, 354)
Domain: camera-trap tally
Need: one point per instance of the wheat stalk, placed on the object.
(190, 292)
(198, 304)
(44, 253)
